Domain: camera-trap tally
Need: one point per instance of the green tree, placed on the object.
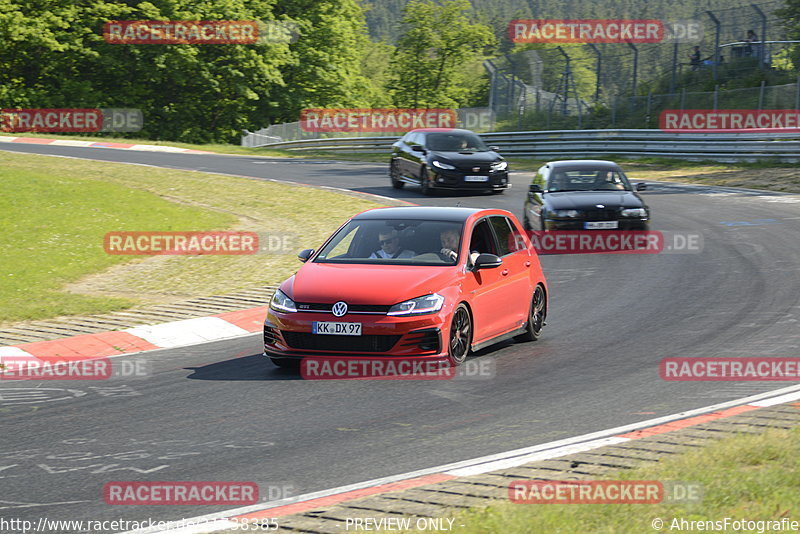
(327, 67)
(438, 42)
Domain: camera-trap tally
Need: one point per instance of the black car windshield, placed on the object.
(588, 180)
(455, 142)
(395, 242)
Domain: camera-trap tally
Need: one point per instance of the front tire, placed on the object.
(460, 336)
(536, 316)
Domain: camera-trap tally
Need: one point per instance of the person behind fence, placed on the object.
(750, 49)
(390, 247)
(695, 58)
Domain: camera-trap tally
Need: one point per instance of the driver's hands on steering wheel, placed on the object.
(447, 253)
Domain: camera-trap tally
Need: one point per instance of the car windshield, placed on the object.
(394, 241)
(588, 180)
(455, 142)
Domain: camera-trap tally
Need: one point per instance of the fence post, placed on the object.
(717, 24)
(683, 98)
(716, 96)
(598, 71)
(797, 94)
(649, 105)
(761, 95)
(613, 112)
(674, 80)
(763, 35)
(635, 66)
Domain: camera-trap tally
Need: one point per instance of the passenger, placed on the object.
(390, 247)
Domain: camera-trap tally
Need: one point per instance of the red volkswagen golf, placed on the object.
(418, 282)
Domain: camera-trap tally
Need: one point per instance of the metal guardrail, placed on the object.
(561, 144)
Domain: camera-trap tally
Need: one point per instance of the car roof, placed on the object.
(583, 164)
(425, 213)
(442, 130)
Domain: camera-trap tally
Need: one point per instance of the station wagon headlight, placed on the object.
(418, 306)
(634, 212)
(442, 165)
(567, 213)
(280, 302)
(499, 165)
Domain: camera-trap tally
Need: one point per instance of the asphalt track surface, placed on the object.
(220, 412)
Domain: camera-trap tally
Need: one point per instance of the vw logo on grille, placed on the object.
(339, 309)
(475, 169)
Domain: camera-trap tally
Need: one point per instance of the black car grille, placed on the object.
(602, 215)
(482, 168)
(307, 341)
(351, 308)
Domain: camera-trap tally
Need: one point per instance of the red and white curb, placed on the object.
(143, 338)
(99, 144)
(233, 519)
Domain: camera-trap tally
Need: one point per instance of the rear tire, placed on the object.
(394, 175)
(536, 316)
(426, 188)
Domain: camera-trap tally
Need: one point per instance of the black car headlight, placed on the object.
(280, 302)
(567, 213)
(419, 306)
(634, 212)
(443, 165)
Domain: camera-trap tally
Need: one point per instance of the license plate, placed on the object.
(336, 329)
(476, 178)
(601, 225)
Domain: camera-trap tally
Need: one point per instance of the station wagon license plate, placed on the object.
(336, 329)
(476, 178)
(601, 225)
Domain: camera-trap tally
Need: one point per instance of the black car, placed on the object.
(446, 158)
(584, 195)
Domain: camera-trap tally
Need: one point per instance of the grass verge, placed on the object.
(750, 477)
(57, 210)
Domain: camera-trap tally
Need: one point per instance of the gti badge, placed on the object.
(339, 309)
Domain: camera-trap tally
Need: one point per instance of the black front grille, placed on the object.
(307, 341)
(602, 215)
(351, 308)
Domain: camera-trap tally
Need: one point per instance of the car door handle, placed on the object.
(504, 272)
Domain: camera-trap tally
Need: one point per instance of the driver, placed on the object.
(390, 247)
(449, 239)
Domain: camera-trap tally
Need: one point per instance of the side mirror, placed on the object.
(418, 148)
(487, 261)
(641, 187)
(494, 148)
(305, 254)
(535, 188)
